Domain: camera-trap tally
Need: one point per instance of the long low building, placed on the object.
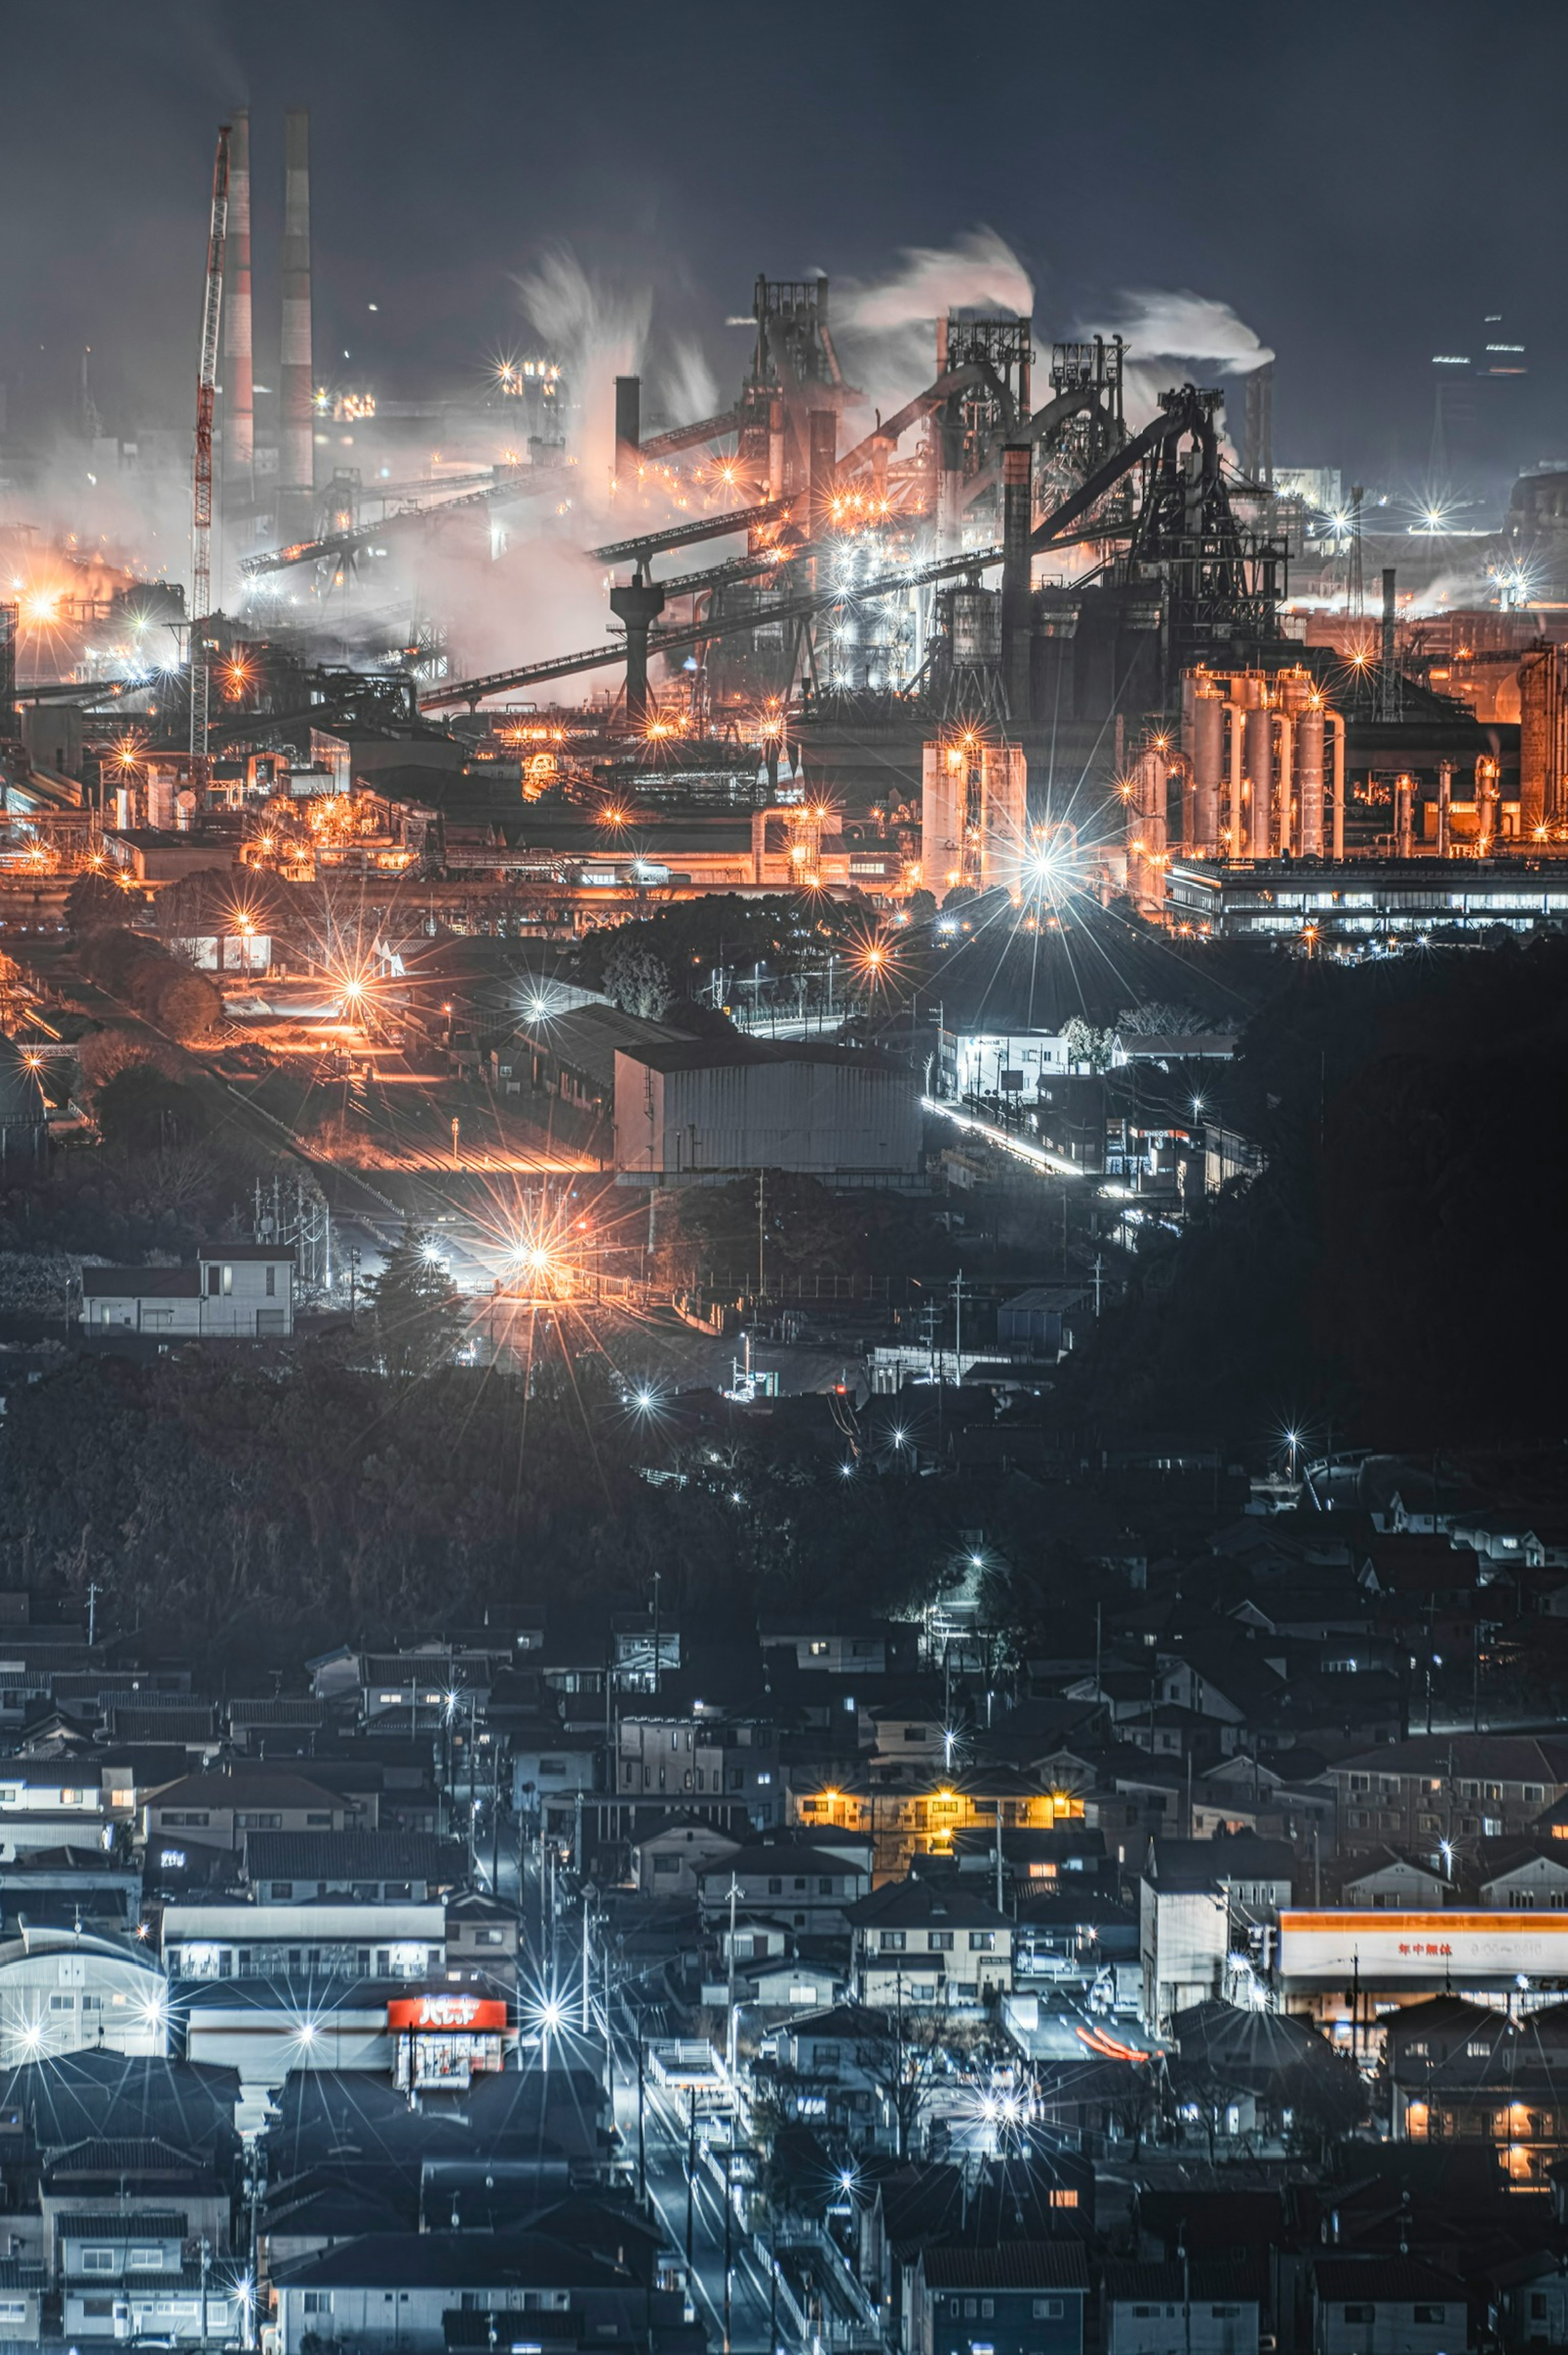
(1348, 1967)
(696, 1111)
(1361, 898)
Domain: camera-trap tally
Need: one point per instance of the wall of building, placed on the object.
(819, 1118)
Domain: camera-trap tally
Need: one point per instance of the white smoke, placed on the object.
(598, 333)
(685, 386)
(979, 272)
(1185, 326)
(887, 326)
(1166, 331)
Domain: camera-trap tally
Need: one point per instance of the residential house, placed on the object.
(1387, 2306)
(395, 2292)
(218, 1811)
(1198, 1899)
(1526, 1875)
(922, 1817)
(234, 1291)
(1390, 1880)
(844, 1645)
(672, 1856)
(806, 1887)
(1415, 1794)
(929, 1942)
(709, 1765)
(482, 1940)
(1022, 2298)
(1150, 2308)
(371, 1868)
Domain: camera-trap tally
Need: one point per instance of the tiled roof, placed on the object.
(99, 2224)
(354, 1855)
(1016, 2265)
(1396, 2281)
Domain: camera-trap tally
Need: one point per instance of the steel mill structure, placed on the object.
(875, 652)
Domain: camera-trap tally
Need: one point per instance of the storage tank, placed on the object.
(1309, 779)
(1208, 771)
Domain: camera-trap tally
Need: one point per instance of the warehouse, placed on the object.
(702, 1110)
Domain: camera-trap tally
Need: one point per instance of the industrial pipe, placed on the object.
(1259, 761)
(1336, 722)
(1489, 804)
(1237, 714)
(1404, 817)
(1445, 806)
(1309, 780)
(1283, 780)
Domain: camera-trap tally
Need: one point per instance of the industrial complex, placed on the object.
(1014, 631)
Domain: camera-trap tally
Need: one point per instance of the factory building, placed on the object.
(703, 1111)
(1410, 896)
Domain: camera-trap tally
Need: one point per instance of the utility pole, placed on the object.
(958, 1326)
(588, 1971)
(641, 2134)
(92, 1612)
(690, 2172)
(730, 2039)
(762, 1245)
(728, 2222)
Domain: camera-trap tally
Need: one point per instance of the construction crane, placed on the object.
(201, 511)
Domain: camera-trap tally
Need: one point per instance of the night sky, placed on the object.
(1361, 182)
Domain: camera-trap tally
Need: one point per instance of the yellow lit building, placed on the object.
(909, 1816)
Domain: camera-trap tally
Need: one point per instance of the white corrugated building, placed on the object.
(688, 1111)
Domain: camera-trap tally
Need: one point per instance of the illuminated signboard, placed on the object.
(439, 2014)
(1378, 1947)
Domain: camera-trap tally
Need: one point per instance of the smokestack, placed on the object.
(627, 426)
(1388, 679)
(1257, 444)
(1016, 612)
(296, 449)
(824, 451)
(239, 408)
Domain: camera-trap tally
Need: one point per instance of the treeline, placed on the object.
(160, 987)
(1395, 1276)
(233, 1507)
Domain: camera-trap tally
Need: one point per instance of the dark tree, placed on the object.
(417, 1312)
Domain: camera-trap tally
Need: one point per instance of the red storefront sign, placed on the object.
(445, 2012)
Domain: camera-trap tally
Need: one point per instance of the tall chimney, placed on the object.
(628, 428)
(296, 449)
(1017, 602)
(1390, 700)
(238, 408)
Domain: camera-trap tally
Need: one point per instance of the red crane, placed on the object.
(201, 513)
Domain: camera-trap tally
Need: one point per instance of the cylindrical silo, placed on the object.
(1257, 761)
(1309, 779)
(1208, 771)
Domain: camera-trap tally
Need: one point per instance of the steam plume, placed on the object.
(598, 333)
(978, 272)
